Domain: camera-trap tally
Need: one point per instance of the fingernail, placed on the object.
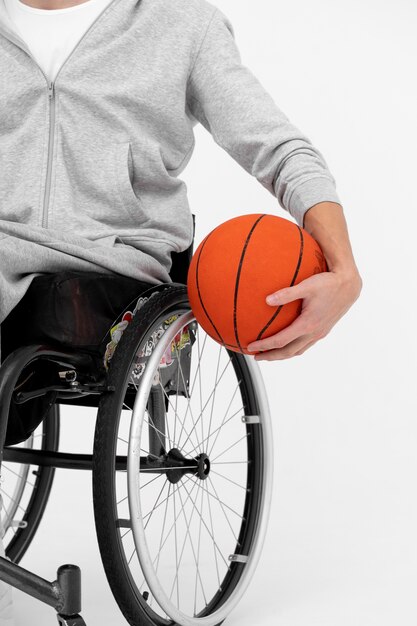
(271, 300)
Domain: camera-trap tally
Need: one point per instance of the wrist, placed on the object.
(343, 266)
(349, 276)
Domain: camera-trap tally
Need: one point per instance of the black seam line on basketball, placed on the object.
(239, 270)
(199, 293)
(297, 269)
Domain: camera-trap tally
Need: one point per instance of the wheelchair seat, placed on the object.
(75, 311)
(72, 309)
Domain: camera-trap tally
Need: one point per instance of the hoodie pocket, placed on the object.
(94, 187)
(123, 168)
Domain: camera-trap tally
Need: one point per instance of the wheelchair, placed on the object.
(182, 461)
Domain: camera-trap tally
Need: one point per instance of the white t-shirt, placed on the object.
(52, 34)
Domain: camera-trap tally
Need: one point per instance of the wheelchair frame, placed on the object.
(64, 593)
(157, 340)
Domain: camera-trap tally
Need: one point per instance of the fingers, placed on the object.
(288, 294)
(307, 328)
(299, 328)
(295, 348)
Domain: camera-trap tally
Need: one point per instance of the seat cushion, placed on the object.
(74, 309)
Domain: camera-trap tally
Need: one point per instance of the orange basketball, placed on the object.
(238, 265)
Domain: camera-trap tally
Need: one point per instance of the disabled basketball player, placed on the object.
(98, 103)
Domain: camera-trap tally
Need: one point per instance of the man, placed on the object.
(97, 107)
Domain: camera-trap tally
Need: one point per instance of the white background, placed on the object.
(342, 542)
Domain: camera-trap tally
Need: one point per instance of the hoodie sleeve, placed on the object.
(231, 103)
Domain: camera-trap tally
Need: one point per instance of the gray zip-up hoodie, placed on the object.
(97, 153)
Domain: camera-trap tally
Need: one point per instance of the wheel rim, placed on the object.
(30, 486)
(19, 481)
(210, 602)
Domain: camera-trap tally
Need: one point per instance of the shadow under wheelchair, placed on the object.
(182, 458)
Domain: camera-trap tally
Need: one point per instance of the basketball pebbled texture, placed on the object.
(241, 262)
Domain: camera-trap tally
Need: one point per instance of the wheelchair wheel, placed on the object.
(25, 489)
(182, 469)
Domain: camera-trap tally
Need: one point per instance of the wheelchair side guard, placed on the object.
(121, 323)
(173, 373)
(174, 368)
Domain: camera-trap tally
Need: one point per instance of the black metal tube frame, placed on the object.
(63, 594)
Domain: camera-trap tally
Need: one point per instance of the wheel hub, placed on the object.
(203, 466)
(178, 465)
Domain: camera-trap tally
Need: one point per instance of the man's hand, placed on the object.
(326, 298)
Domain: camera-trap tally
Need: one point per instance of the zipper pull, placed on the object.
(51, 90)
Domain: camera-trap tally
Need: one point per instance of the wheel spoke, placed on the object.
(222, 505)
(230, 481)
(176, 554)
(231, 462)
(176, 407)
(191, 542)
(240, 410)
(131, 557)
(129, 530)
(208, 530)
(156, 505)
(163, 527)
(214, 394)
(198, 371)
(224, 422)
(198, 556)
(175, 443)
(18, 475)
(183, 547)
(142, 487)
(212, 529)
(188, 409)
(207, 401)
(13, 500)
(230, 447)
(172, 526)
(200, 387)
(159, 432)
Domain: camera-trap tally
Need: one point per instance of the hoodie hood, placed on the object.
(7, 27)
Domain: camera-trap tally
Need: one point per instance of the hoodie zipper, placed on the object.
(52, 100)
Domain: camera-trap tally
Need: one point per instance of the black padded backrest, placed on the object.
(181, 261)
